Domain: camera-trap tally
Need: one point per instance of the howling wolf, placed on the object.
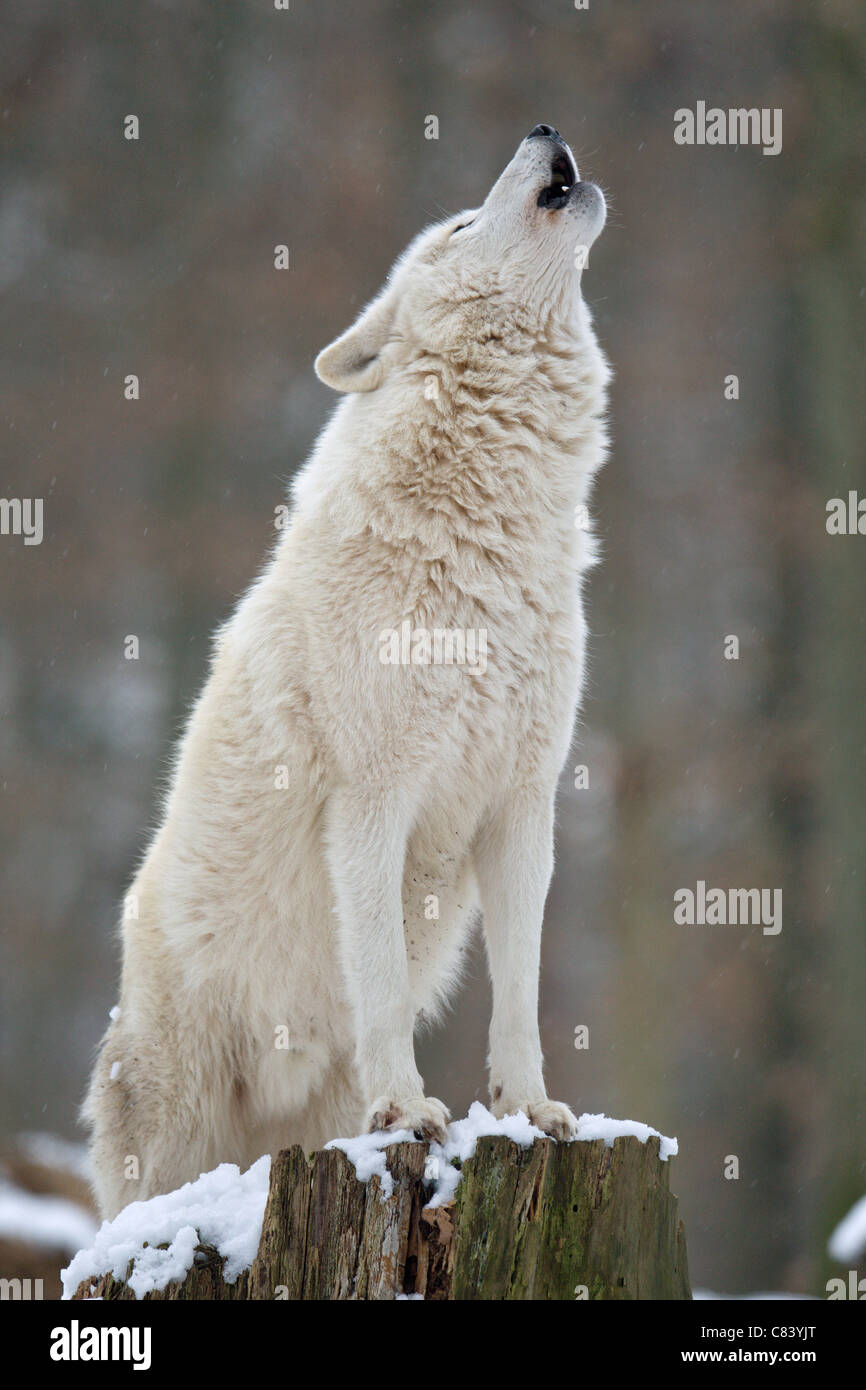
(342, 805)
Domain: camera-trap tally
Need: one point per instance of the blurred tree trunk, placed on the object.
(824, 420)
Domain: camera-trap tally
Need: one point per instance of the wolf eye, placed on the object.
(460, 226)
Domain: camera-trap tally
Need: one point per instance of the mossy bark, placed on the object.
(554, 1221)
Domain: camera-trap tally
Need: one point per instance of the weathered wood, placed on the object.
(549, 1222)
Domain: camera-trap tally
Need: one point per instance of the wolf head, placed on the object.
(515, 261)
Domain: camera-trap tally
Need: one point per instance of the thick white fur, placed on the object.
(302, 906)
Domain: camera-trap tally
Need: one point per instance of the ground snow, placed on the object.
(54, 1152)
(225, 1208)
(53, 1223)
(848, 1242)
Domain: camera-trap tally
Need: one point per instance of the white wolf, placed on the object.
(338, 814)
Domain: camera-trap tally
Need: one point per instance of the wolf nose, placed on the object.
(548, 130)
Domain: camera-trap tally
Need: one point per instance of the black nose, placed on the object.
(547, 130)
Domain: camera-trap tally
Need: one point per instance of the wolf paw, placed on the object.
(424, 1115)
(553, 1118)
(550, 1116)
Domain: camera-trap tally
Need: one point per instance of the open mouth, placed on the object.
(563, 177)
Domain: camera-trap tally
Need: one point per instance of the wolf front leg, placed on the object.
(367, 831)
(514, 864)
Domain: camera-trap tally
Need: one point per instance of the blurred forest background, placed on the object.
(156, 257)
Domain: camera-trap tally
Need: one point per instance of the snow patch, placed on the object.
(600, 1127)
(223, 1208)
(463, 1135)
(848, 1241)
(444, 1160)
(367, 1153)
(53, 1223)
(53, 1152)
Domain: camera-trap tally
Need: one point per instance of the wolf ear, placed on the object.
(353, 361)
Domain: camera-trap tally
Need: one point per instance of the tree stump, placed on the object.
(552, 1221)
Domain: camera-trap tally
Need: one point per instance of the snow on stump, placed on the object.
(538, 1220)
